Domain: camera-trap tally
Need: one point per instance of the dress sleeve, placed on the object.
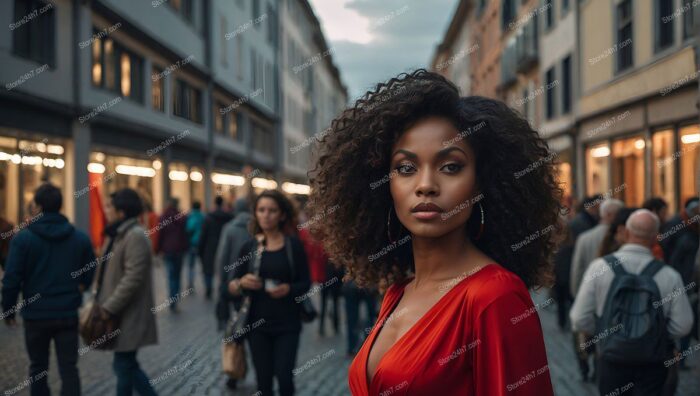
(509, 354)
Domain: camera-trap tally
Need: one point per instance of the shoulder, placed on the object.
(296, 242)
(495, 283)
(82, 237)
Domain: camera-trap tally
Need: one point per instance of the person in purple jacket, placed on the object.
(172, 245)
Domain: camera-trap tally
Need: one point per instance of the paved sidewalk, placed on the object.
(187, 360)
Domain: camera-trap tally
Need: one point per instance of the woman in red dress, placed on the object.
(453, 204)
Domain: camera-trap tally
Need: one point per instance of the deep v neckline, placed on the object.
(370, 382)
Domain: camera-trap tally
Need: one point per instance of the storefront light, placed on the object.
(196, 176)
(600, 152)
(4, 156)
(94, 167)
(54, 149)
(135, 170)
(31, 160)
(267, 184)
(177, 175)
(226, 179)
(60, 163)
(293, 188)
(157, 164)
(99, 157)
(639, 144)
(16, 159)
(691, 138)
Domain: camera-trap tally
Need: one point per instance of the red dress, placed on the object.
(483, 337)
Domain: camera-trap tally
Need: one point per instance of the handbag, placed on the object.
(236, 327)
(98, 329)
(233, 359)
(233, 355)
(307, 311)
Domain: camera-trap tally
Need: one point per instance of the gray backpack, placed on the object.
(632, 329)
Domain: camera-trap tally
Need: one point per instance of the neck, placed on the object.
(272, 234)
(439, 259)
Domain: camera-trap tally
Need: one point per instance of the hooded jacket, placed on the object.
(47, 262)
(209, 238)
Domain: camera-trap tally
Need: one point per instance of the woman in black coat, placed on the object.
(277, 291)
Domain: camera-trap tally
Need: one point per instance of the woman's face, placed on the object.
(268, 214)
(111, 213)
(432, 164)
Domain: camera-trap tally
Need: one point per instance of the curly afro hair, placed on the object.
(514, 170)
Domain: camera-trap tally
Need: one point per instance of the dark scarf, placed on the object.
(111, 229)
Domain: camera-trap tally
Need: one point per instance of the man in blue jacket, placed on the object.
(50, 263)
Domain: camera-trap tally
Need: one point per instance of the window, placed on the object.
(688, 28)
(116, 69)
(184, 8)
(624, 35)
(219, 117)
(232, 122)
(628, 170)
(597, 169)
(551, 91)
(566, 85)
(272, 26)
(564, 7)
(224, 43)
(689, 151)
(664, 24)
(663, 168)
(253, 69)
(549, 14)
(157, 89)
(507, 14)
(187, 101)
(262, 139)
(239, 56)
(35, 39)
(256, 10)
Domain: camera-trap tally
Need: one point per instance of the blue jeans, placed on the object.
(192, 261)
(130, 376)
(173, 263)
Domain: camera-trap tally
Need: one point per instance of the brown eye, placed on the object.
(452, 167)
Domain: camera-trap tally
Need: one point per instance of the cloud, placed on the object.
(393, 36)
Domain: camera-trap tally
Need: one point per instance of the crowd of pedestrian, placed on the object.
(627, 280)
(63, 280)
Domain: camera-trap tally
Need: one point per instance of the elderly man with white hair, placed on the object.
(634, 256)
(588, 243)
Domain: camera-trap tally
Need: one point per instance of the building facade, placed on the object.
(313, 91)
(172, 98)
(611, 85)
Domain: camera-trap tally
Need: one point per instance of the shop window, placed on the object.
(551, 94)
(564, 178)
(34, 39)
(597, 180)
(262, 139)
(157, 89)
(628, 170)
(232, 122)
(689, 157)
(663, 168)
(116, 69)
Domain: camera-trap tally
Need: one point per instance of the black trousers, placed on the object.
(37, 336)
(274, 355)
(330, 292)
(638, 380)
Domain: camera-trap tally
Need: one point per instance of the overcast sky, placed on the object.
(374, 40)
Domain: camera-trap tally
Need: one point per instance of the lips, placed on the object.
(426, 207)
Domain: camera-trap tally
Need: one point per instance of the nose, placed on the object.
(427, 185)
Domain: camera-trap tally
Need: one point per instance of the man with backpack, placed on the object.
(633, 305)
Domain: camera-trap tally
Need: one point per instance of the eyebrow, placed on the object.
(440, 154)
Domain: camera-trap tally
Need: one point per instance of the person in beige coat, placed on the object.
(127, 289)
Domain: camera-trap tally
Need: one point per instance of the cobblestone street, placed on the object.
(187, 359)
